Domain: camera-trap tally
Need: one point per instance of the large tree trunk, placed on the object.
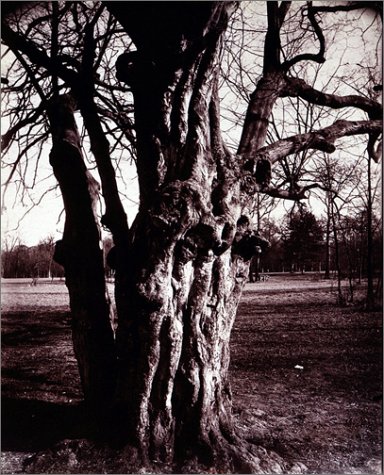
(80, 253)
(173, 347)
(189, 251)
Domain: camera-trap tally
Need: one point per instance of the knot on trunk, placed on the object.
(60, 112)
(202, 241)
(227, 237)
(205, 240)
(323, 144)
(263, 173)
(248, 184)
(61, 105)
(178, 208)
(107, 220)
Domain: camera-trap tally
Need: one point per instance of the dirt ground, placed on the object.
(306, 375)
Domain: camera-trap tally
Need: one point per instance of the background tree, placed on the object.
(369, 196)
(273, 259)
(339, 180)
(181, 267)
(303, 241)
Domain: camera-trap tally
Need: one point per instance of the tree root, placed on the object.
(221, 455)
(80, 456)
(84, 456)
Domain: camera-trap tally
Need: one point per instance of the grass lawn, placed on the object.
(306, 375)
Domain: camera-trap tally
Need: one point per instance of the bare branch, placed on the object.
(9, 135)
(21, 154)
(296, 87)
(36, 55)
(30, 74)
(376, 6)
(322, 139)
(294, 195)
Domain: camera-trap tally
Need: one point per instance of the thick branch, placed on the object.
(377, 6)
(269, 88)
(169, 23)
(318, 140)
(283, 10)
(294, 195)
(296, 87)
(260, 106)
(272, 46)
(115, 218)
(55, 44)
(272, 40)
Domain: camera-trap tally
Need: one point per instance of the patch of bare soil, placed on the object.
(306, 379)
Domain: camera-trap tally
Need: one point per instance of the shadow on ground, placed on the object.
(29, 425)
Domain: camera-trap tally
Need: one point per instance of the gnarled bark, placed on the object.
(189, 255)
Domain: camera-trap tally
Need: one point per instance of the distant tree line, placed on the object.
(19, 260)
(299, 243)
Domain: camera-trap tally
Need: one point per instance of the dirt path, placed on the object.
(306, 375)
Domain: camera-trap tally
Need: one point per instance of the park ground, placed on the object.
(306, 376)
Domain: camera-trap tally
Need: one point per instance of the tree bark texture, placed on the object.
(190, 248)
(80, 253)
